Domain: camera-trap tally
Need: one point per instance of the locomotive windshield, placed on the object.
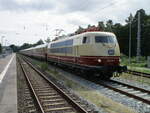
(105, 39)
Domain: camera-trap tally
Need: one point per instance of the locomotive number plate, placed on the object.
(111, 52)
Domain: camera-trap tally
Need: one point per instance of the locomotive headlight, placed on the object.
(99, 60)
(119, 60)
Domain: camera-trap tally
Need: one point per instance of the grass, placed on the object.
(139, 79)
(125, 61)
(44, 66)
(140, 66)
(145, 70)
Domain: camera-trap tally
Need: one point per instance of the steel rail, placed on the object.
(31, 87)
(66, 96)
(125, 93)
(147, 75)
(130, 86)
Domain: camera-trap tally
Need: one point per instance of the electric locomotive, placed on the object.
(94, 53)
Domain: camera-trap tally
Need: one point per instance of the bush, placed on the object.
(125, 61)
(44, 66)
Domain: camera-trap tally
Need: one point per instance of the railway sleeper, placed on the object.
(32, 111)
(135, 92)
(38, 89)
(45, 91)
(54, 104)
(58, 106)
(52, 100)
(142, 94)
(49, 97)
(47, 94)
(60, 109)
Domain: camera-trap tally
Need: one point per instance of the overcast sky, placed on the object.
(30, 20)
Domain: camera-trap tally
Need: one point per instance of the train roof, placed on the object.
(82, 34)
(36, 47)
(40, 46)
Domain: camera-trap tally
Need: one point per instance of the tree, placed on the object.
(38, 43)
(129, 19)
(25, 46)
(48, 40)
(89, 26)
(14, 48)
(101, 25)
(109, 25)
(79, 30)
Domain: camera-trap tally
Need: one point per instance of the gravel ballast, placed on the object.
(132, 103)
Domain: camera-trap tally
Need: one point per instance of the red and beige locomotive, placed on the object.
(95, 53)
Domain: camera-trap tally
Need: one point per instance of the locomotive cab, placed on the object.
(100, 51)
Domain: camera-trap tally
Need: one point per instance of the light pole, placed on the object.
(130, 26)
(139, 38)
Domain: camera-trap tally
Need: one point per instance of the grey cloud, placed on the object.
(76, 22)
(83, 5)
(60, 6)
(13, 5)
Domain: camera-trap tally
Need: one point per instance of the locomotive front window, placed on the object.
(105, 39)
(86, 40)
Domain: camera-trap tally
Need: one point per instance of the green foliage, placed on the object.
(122, 33)
(14, 48)
(48, 40)
(25, 46)
(125, 61)
(44, 66)
(37, 43)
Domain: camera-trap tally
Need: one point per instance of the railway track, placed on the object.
(137, 93)
(147, 75)
(49, 97)
(131, 91)
(24, 93)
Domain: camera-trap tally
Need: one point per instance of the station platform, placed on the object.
(8, 84)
